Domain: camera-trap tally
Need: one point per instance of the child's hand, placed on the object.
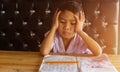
(80, 22)
(55, 19)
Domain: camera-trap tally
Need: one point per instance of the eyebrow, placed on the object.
(65, 19)
(73, 20)
(61, 17)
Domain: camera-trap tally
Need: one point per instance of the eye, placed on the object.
(73, 23)
(62, 21)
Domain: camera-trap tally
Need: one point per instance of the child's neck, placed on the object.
(66, 43)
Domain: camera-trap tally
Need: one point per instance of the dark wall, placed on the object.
(24, 22)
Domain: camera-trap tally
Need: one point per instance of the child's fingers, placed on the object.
(78, 21)
(56, 12)
(76, 18)
(82, 16)
(57, 16)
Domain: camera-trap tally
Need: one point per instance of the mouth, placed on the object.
(66, 33)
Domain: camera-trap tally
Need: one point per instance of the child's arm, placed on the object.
(92, 44)
(47, 42)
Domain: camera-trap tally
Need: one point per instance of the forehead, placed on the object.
(67, 15)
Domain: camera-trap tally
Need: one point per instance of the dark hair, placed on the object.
(73, 6)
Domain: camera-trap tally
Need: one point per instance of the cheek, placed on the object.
(73, 28)
(60, 26)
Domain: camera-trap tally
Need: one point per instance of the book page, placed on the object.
(58, 67)
(96, 64)
(62, 63)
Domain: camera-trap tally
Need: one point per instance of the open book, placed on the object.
(62, 63)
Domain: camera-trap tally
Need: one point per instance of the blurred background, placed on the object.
(24, 22)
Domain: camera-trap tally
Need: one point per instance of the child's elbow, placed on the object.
(98, 53)
(44, 53)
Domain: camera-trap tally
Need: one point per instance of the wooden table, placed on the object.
(14, 61)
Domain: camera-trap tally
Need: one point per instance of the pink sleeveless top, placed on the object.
(76, 46)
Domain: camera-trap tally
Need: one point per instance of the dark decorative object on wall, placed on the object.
(24, 22)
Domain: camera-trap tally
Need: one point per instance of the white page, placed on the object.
(58, 67)
(96, 64)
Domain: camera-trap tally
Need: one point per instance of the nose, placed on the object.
(67, 26)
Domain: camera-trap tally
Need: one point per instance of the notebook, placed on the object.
(63, 63)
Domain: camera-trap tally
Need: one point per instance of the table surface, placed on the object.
(17, 61)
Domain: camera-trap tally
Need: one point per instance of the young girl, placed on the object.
(66, 34)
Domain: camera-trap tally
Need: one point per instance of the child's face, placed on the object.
(67, 24)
